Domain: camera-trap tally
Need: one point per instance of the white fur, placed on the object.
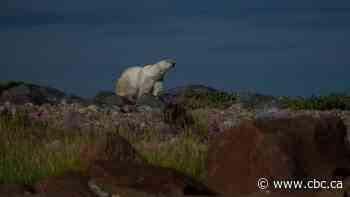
(135, 82)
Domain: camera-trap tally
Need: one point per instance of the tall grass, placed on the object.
(26, 155)
(184, 152)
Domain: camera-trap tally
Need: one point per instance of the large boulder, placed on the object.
(239, 156)
(110, 176)
(151, 101)
(319, 143)
(299, 148)
(109, 99)
(110, 146)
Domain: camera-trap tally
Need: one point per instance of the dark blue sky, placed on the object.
(290, 47)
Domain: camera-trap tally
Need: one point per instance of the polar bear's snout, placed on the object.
(170, 62)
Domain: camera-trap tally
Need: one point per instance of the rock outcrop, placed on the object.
(20, 93)
(299, 148)
(111, 146)
(69, 184)
(112, 176)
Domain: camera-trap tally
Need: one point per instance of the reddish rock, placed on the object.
(70, 184)
(15, 190)
(150, 179)
(319, 147)
(238, 157)
(111, 146)
(285, 148)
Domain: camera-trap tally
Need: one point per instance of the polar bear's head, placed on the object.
(161, 68)
(157, 71)
(167, 64)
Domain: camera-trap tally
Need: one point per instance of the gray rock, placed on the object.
(106, 98)
(144, 108)
(151, 101)
(271, 113)
(21, 93)
(128, 108)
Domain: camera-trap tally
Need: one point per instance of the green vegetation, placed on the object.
(184, 152)
(26, 154)
(327, 102)
(24, 157)
(177, 115)
(195, 100)
(4, 85)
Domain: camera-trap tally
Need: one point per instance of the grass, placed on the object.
(25, 156)
(184, 152)
(325, 102)
(25, 159)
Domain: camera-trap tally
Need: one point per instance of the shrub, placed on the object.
(177, 115)
(195, 100)
(327, 102)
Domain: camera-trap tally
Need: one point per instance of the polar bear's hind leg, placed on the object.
(128, 83)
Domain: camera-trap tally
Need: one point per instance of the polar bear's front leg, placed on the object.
(157, 88)
(145, 86)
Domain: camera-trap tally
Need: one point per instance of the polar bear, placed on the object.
(135, 82)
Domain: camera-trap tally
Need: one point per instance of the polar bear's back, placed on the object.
(128, 82)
